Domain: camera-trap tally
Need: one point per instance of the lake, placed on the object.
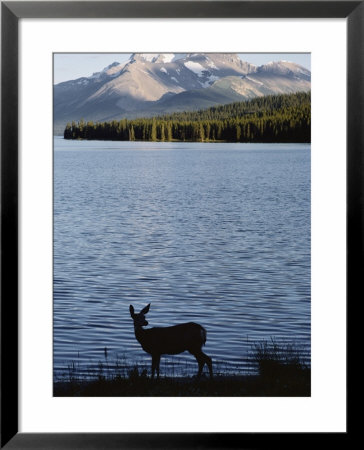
(214, 233)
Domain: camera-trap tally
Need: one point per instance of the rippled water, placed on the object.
(218, 234)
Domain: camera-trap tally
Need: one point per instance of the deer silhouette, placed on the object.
(170, 340)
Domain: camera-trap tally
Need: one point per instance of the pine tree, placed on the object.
(153, 135)
(131, 133)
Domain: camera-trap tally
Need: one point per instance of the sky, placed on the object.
(70, 66)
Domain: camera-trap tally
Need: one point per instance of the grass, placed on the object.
(277, 369)
(282, 364)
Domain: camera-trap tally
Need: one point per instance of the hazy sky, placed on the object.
(70, 66)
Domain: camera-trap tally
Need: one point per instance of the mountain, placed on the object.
(149, 84)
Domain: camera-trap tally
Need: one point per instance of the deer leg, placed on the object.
(208, 361)
(202, 359)
(155, 364)
(158, 361)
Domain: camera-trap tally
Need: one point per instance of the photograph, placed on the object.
(182, 224)
(181, 235)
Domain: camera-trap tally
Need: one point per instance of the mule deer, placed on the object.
(170, 340)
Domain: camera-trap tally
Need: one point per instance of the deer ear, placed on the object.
(131, 309)
(146, 309)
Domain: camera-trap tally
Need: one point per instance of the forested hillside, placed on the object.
(275, 118)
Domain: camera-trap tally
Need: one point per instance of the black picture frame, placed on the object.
(11, 12)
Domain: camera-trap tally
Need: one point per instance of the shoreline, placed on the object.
(184, 142)
(289, 384)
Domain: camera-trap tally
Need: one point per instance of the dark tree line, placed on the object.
(275, 118)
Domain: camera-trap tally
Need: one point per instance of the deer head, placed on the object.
(139, 319)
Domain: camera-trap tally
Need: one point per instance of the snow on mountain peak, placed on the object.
(165, 57)
(154, 57)
(195, 67)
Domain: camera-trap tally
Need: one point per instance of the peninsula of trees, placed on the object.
(274, 118)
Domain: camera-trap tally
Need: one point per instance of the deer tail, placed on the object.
(203, 335)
